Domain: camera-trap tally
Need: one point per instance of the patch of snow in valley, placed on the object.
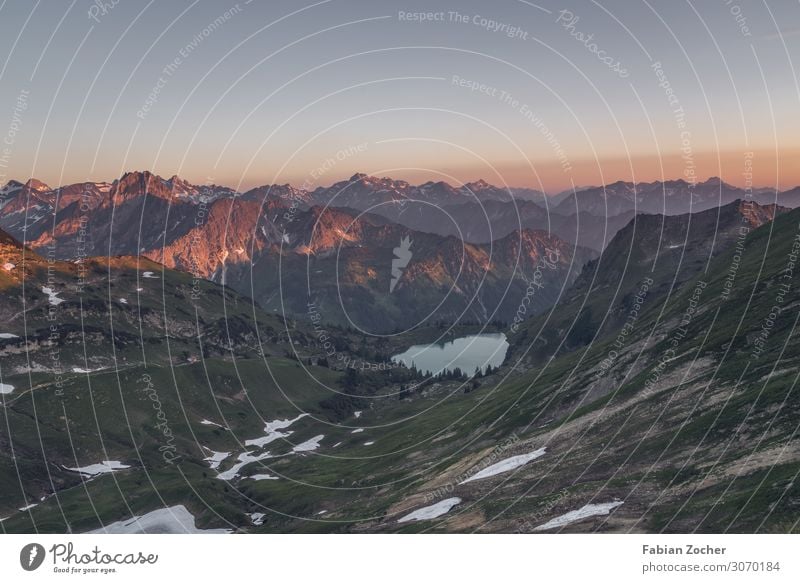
(80, 370)
(370, 443)
(104, 467)
(8, 266)
(244, 459)
(173, 520)
(506, 465)
(272, 431)
(309, 445)
(216, 458)
(6, 389)
(257, 518)
(123, 300)
(585, 512)
(6, 336)
(260, 477)
(357, 414)
(433, 511)
(149, 275)
(52, 296)
(357, 431)
(28, 507)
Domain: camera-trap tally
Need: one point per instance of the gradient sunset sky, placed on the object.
(254, 93)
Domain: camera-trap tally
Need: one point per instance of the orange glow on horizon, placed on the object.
(756, 169)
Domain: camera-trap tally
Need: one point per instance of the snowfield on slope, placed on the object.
(260, 477)
(104, 467)
(243, 460)
(79, 370)
(272, 431)
(506, 465)
(308, 445)
(585, 512)
(216, 458)
(432, 511)
(173, 520)
(257, 518)
(52, 296)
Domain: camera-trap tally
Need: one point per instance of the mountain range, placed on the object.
(166, 339)
(249, 240)
(476, 212)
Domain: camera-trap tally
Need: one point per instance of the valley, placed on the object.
(243, 370)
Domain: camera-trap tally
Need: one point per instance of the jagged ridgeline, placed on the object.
(282, 246)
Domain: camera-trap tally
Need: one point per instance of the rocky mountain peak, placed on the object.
(37, 185)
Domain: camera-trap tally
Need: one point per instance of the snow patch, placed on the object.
(309, 445)
(260, 477)
(104, 467)
(432, 511)
(149, 275)
(6, 389)
(357, 430)
(216, 458)
(173, 520)
(506, 465)
(8, 266)
(243, 460)
(52, 296)
(6, 336)
(80, 370)
(272, 431)
(585, 512)
(257, 518)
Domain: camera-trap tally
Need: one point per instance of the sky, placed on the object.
(547, 95)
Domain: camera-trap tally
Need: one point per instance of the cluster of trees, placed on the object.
(455, 374)
(496, 323)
